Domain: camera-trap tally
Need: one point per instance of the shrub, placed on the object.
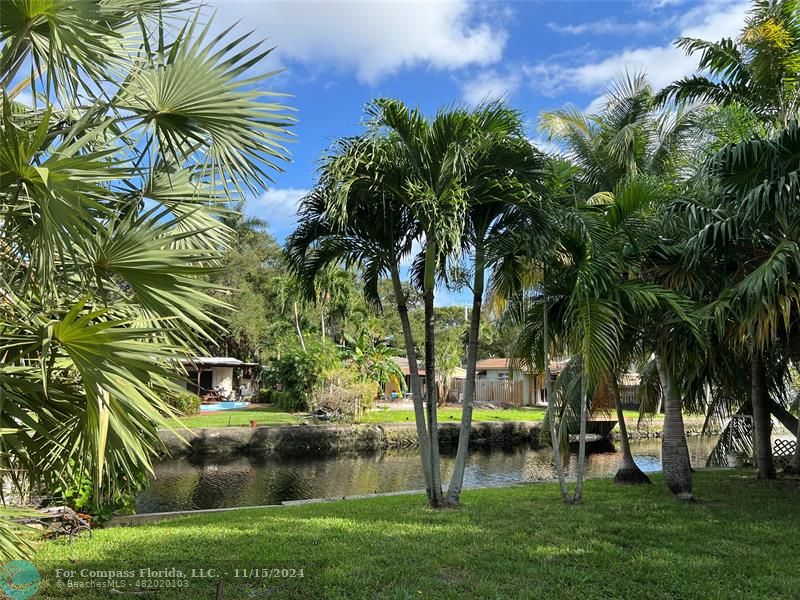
(288, 401)
(82, 497)
(294, 376)
(344, 393)
(184, 402)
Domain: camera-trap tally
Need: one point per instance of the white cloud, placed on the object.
(596, 105)
(373, 38)
(602, 26)
(278, 207)
(488, 86)
(663, 64)
(656, 4)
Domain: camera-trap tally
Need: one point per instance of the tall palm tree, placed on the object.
(503, 182)
(753, 226)
(417, 175)
(438, 153)
(622, 152)
(526, 287)
(112, 184)
(354, 217)
(756, 73)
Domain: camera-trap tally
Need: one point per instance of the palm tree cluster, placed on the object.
(419, 192)
(662, 236)
(126, 133)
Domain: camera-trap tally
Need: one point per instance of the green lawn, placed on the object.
(739, 541)
(269, 415)
(261, 414)
(392, 415)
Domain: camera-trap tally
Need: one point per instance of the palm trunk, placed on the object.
(548, 386)
(436, 497)
(675, 461)
(786, 418)
(762, 421)
(416, 384)
(581, 469)
(297, 326)
(628, 472)
(793, 468)
(457, 479)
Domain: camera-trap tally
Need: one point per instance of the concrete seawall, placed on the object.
(293, 440)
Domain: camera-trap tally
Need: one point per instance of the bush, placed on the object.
(184, 402)
(82, 497)
(344, 393)
(294, 376)
(289, 401)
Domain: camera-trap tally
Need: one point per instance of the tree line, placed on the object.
(663, 234)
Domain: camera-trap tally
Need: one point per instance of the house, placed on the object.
(525, 388)
(221, 373)
(392, 391)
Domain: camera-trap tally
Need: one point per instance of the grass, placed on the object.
(261, 414)
(269, 415)
(738, 541)
(392, 415)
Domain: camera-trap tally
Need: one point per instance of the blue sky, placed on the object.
(538, 54)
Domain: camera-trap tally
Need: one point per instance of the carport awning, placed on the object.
(216, 361)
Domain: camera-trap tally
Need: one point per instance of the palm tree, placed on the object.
(622, 153)
(756, 218)
(756, 74)
(353, 217)
(112, 184)
(417, 175)
(501, 178)
(759, 70)
(435, 189)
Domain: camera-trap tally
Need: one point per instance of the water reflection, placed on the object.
(190, 484)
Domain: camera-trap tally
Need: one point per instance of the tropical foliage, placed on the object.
(410, 180)
(127, 131)
(661, 237)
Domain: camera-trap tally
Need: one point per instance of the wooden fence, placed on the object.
(489, 390)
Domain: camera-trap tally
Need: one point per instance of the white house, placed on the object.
(206, 373)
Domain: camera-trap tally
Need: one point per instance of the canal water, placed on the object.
(191, 484)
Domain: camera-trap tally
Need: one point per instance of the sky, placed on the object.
(538, 55)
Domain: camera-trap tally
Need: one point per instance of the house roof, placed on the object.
(492, 363)
(216, 361)
(504, 364)
(402, 362)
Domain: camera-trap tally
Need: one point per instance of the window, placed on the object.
(503, 376)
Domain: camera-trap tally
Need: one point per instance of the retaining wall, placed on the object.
(331, 439)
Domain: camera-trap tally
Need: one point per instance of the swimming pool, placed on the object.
(222, 405)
